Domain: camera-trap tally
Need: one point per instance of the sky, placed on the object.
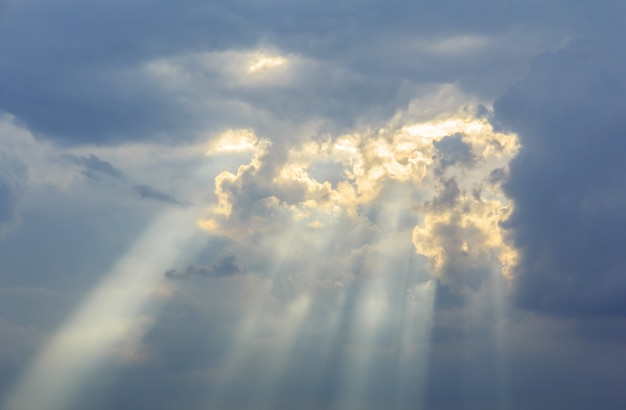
(312, 205)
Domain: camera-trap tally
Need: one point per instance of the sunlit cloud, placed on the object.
(365, 163)
(264, 62)
(450, 210)
(233, 141)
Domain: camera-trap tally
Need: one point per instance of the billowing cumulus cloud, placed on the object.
(431, 180)
(330, 205)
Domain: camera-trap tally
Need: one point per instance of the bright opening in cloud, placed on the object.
(233, 141)
(263, 62)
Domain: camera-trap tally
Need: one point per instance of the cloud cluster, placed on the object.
(434, 178)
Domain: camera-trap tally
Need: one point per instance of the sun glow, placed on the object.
(263, 62)
(233, 141)
(331, 254)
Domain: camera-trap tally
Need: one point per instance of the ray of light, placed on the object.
(277, 360)
(301, 241)
(241, 348)
(317, 247)
(104, 319)
(414, 345)
(371, 312)
(498, 285)
(329, 344)
(382, 302)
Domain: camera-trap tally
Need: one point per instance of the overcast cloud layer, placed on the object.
(312, 205)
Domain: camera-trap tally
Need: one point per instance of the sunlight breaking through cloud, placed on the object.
(344, 239)
(263, 62)
(318, 205)
(429, 188)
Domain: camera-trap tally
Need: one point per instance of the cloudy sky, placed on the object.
(315, 205)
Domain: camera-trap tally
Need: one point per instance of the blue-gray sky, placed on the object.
(312, 205)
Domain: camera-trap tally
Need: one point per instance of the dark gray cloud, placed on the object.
(497, 176)
(223, 266)
(567, 184)
(447, 195)
(92, 166)
(452, 151)
(149, 192)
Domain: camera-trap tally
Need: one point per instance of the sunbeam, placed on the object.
(498, 288)
(413, 346)
(251, 323)
(344, 249)
(391, 318)
(106, 317)
(106, 321)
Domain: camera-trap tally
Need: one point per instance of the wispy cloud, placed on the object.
(149, 192)
(92, 166)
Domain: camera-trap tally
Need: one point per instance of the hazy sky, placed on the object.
(316, 205)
